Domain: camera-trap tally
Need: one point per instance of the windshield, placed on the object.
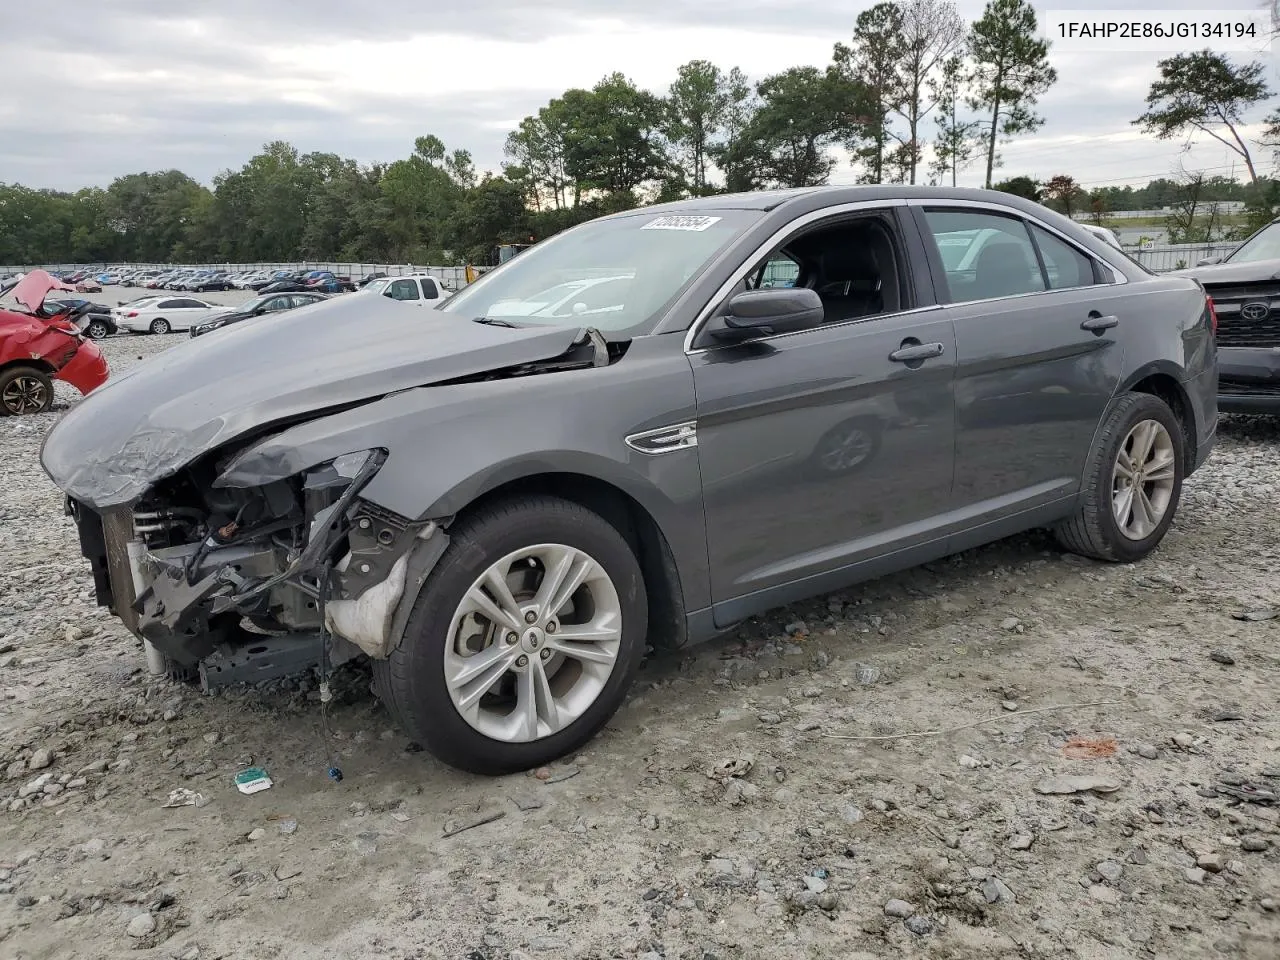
(1263, 245)
(617, 275)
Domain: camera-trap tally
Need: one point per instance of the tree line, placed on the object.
(912, 73)
(916, 95)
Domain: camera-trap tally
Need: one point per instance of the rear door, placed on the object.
(1038, 353)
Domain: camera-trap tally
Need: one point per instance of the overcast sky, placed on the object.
(95, 89)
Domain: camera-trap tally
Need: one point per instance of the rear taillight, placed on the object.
(1213, 315)
(132, 313)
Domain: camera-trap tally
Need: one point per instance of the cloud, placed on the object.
(152, 84)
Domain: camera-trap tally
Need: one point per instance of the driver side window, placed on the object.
(779, 270)
(853, 263)
(403, 290)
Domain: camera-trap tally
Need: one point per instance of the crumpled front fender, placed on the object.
(87, 370)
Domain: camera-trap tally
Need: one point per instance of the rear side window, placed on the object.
(170, 305)
(984, 255)
(1065, 266)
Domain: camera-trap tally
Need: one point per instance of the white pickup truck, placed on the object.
(420, 288)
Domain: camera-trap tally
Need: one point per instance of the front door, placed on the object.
(824, 449)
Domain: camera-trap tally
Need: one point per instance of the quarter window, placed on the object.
(1065, 266)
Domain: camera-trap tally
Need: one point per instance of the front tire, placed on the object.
(1132, 484)
(97, 330)
(160, 325)
(25, 390)
(523, 641)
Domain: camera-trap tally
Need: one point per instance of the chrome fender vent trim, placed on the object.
(678, 436)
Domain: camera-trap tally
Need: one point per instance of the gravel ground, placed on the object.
(720, 814)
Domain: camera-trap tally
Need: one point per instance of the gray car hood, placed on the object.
(116, 443)
(1218, 273)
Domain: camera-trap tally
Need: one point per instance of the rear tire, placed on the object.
(97, 330)
(25, 390)
(1133, 483)
(160, 325)
(572, 696)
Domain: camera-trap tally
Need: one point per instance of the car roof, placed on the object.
(772, 199)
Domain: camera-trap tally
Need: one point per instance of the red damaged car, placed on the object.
(39, 345)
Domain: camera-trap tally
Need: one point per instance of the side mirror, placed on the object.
(1208, 261)
(764, 313)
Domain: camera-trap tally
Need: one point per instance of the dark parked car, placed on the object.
(368, 278)
(501, 500)
(205, 284)
(289, 285)
(93, 318)
(1245, 287)
(331, 285)
(257, 307)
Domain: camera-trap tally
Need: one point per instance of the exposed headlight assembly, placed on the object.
(344, 477)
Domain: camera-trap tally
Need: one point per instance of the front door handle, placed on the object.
(1097, 322)
(913, 351)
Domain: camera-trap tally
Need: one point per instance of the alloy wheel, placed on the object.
(1143, 479)
(533, 643)
(24, 395)
(846, 449)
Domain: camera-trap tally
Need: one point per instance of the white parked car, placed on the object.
(164, 314)
(420, 288)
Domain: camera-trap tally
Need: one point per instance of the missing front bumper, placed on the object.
(189, 617)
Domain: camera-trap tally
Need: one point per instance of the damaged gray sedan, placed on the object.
(637, 433)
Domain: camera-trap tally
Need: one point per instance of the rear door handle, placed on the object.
(912, 352)
(1097, 322)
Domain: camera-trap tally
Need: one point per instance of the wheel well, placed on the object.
(36, 363)
(1170, 391)
(667, 628)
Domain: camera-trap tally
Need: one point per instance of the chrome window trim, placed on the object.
(768, 246)
(1000, 208)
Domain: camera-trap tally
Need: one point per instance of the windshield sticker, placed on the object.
(696, 224)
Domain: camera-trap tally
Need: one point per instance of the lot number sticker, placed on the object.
(696, 224)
